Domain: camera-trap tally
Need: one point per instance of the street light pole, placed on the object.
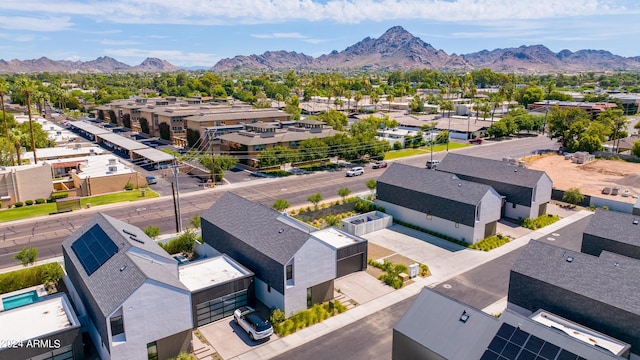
(178, 214)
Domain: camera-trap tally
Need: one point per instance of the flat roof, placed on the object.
(206, 273)
(97, 166)
(64, 152)
(581, 333)
(86, 126)
(154, 154)
(122, 141)
(335, 237)
(53, 313)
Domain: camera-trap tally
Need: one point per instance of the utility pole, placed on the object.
(213, 163)
(449, 132)
(178, 212)
(175, 208)
(431, 141)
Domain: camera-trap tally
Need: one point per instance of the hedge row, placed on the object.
(539, 222)
(24, 278)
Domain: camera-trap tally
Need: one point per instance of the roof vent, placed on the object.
(459, 185)
(464, 317)
(123, 267)
(635, 221)
(280, 231)
(569, 259)
(515, 170)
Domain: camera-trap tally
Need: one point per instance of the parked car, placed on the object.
(475, 141)
(358, 170)
(253, 323)
(151, 180)
(432, 164)
(380, 164)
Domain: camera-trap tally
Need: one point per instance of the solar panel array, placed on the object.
(512, 343)
(94, 248)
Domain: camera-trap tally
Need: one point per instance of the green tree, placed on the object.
(417, 104)
(313, 148)
(315, 199)
(573, 196)
(27, 256)
(280, 205)
(222, 164)
(371, 185)
(616, 121)
(635, 149)
(152, 231)
(292, 106)
(532, 94)
(344, 192)
(442, 137)
(333, 118)
(27, 87)
(566, 124)
(4, 89)
(195, 221)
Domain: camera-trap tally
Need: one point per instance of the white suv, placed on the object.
(358, 170)
(253, 323)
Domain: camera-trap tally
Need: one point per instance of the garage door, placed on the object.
(350, 265)
(219, 308)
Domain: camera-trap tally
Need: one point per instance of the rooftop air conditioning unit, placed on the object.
(113, 168)
(112, 161)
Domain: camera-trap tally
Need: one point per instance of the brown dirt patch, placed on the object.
(399, 259)
(592, 177)
(377, 252)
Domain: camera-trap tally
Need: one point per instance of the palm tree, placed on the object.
(349, 95)
(28, 87)
(357, 97)
(390, 99)
(4, 89)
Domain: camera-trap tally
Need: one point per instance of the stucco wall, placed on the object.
(107, 184)
(272, 299)
(490, 209)
(155, 311)
(314, 263)
(517, 211)
(439, 225)
(26, 183)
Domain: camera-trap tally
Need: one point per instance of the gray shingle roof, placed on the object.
(257, 226)
(616, 226)
(431, 192)
(493, 170)
(110, 284)
(611, 278)
(433, 320)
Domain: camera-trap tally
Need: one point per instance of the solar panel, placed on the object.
(511, 343)
(93, 249)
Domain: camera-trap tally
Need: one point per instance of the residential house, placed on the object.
(598, 292)
(127, 292)
(437, 327)
(293, 267)
(614, 232)
(439, 201)
(526, 192)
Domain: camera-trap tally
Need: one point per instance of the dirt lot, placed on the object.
(592, 177)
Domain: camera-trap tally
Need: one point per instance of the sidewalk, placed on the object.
(465, 261)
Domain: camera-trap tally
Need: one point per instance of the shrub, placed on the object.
(128, 186)
(304, 318)
(29, 202)
(27, 256)
(539, 222)
(573, 196)
(24, 278)
(490, 243)
(39, 201)
(18, 204)
(152, 231)
(60, 195)
(184, 243)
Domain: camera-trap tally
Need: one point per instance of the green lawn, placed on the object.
(421, 151)
(45, 209)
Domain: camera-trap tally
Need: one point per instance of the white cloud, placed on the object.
(221, 12)
(175, 57)
(17, 38)
(35, 24)
(291, 35)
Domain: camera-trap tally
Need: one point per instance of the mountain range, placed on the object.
(395, 49)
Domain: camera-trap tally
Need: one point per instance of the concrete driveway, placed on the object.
(230, 340)
(361, 287)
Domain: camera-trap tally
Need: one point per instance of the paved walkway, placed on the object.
(460, 262)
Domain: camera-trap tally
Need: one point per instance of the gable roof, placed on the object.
(138, 259)
(434, 319)
(492, 170)
(431, 192)
(257, 226)
(615, 226)
(611, 278)
(438, 184)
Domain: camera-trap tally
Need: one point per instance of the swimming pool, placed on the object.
(15, 301)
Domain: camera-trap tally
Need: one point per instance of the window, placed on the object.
(309, 298)
(152, 351)
(290, 272)
(513, 205)
(117, 325)
(429, 217)
(478, 211)
(457, 225)
(269, 288)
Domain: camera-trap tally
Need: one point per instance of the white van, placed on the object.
(358, 170)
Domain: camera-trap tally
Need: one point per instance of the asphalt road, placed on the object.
(370, 338)
(46, 233)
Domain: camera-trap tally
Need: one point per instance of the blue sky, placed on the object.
(201, 32)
